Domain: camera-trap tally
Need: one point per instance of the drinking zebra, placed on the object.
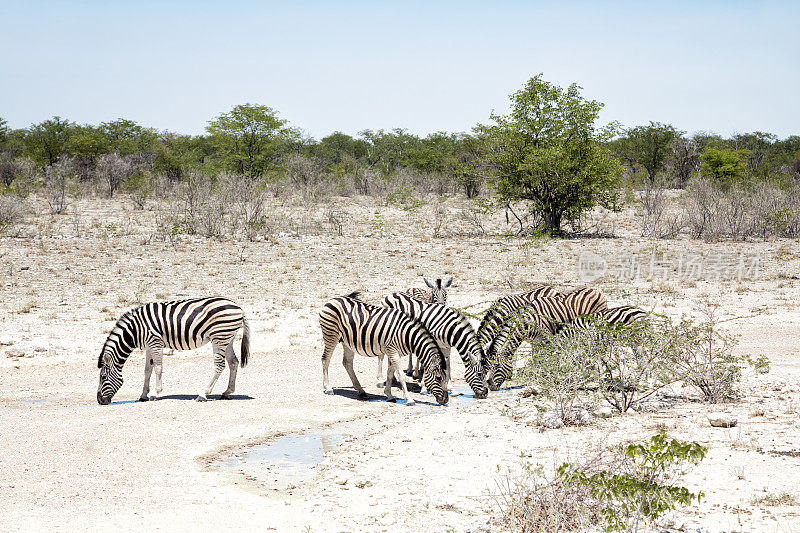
(450, 329)
(501, 309)
(372, 331)
(438, 294)
(180, 325)
(529, 322)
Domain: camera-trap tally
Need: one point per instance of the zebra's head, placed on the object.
(439, 290)
(435, 382)
(110, 378)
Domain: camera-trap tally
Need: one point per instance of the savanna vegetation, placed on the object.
(546, 163)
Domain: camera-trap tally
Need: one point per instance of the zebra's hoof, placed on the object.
(225, 397)
(329, 392)
(392, 400)
(201, 399)
(144, 399)
(362, 395)
(410, 402)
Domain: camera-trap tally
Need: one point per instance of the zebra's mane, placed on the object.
(122, 323)
(355, 295)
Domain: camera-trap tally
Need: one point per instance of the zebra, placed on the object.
(505, 306)
(624, 314)
(450, 329)
(438, 294)
(545, 315)
(372, 331)
(180, 325)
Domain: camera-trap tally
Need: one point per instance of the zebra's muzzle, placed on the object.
(101, 400)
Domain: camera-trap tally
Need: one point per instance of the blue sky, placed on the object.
(425, 66)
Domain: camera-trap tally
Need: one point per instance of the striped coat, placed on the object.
(372, 331)
(180, 325)
(543, 316)
(451, 329)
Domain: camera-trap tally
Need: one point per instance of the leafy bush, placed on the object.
(619, 488)
(625, 364)
(561, 366)
(639, 487)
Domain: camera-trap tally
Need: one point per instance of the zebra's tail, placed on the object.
(245, 342)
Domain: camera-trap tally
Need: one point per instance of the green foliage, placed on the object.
(647, 147)
(126, 137)
(250, 138)
(548, 152)
(47, 141)
(639, 489)
(403, 198)
(724, 165)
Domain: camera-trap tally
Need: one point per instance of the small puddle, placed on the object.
(287, 461)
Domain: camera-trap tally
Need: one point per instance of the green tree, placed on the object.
(548, 152)
(759, 144)
(87, 143)
(724, 164)
(126, 137)
(250, 138)
(47, 141)
(339, 147)
(648, 146)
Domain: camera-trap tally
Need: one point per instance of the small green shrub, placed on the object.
(640, 488)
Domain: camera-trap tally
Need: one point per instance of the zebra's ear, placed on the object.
(100, 361)
(429, 284)
(448, 282)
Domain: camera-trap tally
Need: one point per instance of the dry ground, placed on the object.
(66, 462)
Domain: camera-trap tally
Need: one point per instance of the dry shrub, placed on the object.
(13, 210)
(759, 211)
(531, 502)
(58, 182)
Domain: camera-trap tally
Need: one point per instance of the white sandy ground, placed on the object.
(67, 463)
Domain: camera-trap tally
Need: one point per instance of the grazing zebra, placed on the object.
(372, 331)
(450, 329)
(501, 309)
(438, 294)
(624, 314)
(181, 325)
(545, 315)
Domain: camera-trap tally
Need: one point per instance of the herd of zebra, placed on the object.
(416, 323)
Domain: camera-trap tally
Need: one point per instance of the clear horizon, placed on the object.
(722, 67)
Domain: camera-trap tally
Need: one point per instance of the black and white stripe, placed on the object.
(527, 323)
(624, 314)
(180, 325)
(451, 329)
(437, 294)
(504, 307)
(372, 331)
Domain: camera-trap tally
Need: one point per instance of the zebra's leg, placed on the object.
(410, 369)
(158, 366)
(448, 380)
(380, 371)
(391, 370)
(233, 367)
(219, 366)
(347, 361)
(330, 345)
(148, 371)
